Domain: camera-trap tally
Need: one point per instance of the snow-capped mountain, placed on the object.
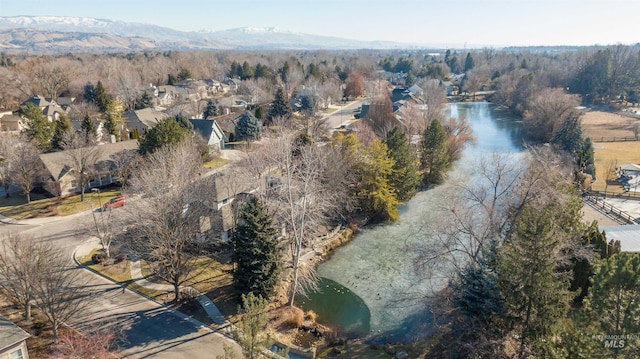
(159, 37)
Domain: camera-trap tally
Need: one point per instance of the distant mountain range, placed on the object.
(65, 34)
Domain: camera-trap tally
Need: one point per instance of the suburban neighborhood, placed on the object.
(293, 203)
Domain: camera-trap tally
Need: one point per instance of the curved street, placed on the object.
(149, 329)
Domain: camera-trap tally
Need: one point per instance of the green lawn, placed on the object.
(17, 207)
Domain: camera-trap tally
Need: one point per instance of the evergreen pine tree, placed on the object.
(102, 98)
(434, 158)
(257, 251)
(111, 125)
(211, 110)
(404, 178)
(63, 126)
(248, 127)
(583, 268)
(533, 285)
(88, 126)
(259, 113)
(468, 63)
(166, 132)
(89, 93)
(255, 314)
(569, 137)
(39, 129)
(280, 106)
(146, 101)
(613, 301)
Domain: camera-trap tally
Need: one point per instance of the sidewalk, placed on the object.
(136, 275)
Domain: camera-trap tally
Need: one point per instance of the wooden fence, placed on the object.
(623, 195)
(610, 209)
(614, 139)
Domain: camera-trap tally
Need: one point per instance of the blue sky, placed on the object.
(472, 22)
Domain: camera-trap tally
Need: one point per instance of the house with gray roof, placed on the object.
(49, 107)
(210, 131)
(143, 120)
(12, 340)
(59, 172)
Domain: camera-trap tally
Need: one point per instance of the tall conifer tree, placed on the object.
(257, 251)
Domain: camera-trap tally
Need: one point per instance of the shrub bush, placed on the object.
(99, 257)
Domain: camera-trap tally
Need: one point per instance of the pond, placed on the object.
(370, 287)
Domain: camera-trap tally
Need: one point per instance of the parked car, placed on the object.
(114, 203)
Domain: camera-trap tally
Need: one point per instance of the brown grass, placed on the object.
(599, 124)
(17, 207)
(619, 152)
(216, 162)
(311, 315)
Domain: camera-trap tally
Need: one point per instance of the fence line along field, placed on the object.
(600, 124)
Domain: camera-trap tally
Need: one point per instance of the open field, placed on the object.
(607, 125)
(617, 153)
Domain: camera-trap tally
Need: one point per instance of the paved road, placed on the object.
(342, 116)
(150, 330)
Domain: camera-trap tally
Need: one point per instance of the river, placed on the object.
(369, 287)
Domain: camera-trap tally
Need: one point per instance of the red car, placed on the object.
(114, 203)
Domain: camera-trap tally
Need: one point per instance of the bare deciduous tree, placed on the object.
(169, 218)
(50, 80)
(7, 145)
(82, 156)
(20, 263)
(380, 116)
(35, 271)
(58, 290)
(486, 204)
(26, 166)
(546, 111)
(435, 98)
(100, 342)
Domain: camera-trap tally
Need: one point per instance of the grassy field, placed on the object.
(599, 124)
(17, 207)
(616, 153)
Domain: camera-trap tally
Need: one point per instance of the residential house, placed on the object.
(99, 126)
(416, 90)
(231, 192)
(216, 87)
(11, 123)
(143, 120)
(232, 83)
(12, 340)
(198, 88)
(166, 95)
(65, 102)
(629, 177)
(210, 131)
(59, 172)
(49, 107)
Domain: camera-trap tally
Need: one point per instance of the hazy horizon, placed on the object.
(471, 23)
